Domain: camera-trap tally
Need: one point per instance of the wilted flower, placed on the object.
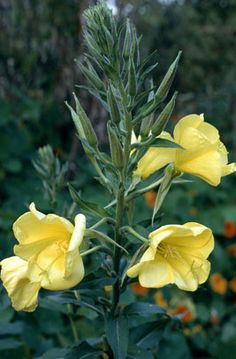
(47, 256)
(202, 153)
(176, 254)
(218, 283)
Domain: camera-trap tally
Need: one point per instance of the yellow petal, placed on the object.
(192, 238)
(227, 170)
(55, 279)
(189, 121)
(156, 273)
(183, 276)
(189, 271)
(207, 166)
(23, 292)
(26, 251)
(210, 132)
(34, 226)
(154, 159)
(134, 270)
(75, 242)
(148, 255)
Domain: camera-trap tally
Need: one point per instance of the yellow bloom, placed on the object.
(202, 153)
(47, 256)
(176, 254)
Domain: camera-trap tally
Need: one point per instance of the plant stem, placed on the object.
(72, 324)
(120, 199)
(118, 237)
(143, 190)
(130, 230)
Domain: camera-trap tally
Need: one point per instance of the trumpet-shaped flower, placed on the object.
(202, 153)
(47, 256)
(177, 254)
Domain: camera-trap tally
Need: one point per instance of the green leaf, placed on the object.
(148, 335)
(54, 353)
(138, 353)
(162, 142)
(143, 309)
(8, 343)
(97, 283)
(89, 207)
(66, 298)
(117, 333)
(83, 351)
(11, 328)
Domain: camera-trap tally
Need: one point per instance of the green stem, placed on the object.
(118, 237)
(103, 221)
(99, 171)
(143, 190)
(130, 230)
(72, 324)
(92, 233)
(91, 250)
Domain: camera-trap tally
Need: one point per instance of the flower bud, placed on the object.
(164, 87)
(115, 147)
(162, 120)
(112, 105)
(88, 130)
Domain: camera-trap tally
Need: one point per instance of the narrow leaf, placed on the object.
(89, 207)
(117, 333)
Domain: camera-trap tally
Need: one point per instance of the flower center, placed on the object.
(168, 251)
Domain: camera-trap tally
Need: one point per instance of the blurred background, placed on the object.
(39, 43)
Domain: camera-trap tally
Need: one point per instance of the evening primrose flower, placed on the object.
(47, 256)
(176, 254)
(202, 153)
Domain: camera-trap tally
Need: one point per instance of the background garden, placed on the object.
(39, 43)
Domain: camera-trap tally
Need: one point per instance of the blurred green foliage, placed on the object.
(39, 42)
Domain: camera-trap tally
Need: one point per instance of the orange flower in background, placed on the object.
(187, 314)
(215, 318)
(218, 283)
(230, 229)
(232, 285)
(184, 307)
(150, 198)
(193, 211)
(138, 289)
(231, 250)
(160, 299)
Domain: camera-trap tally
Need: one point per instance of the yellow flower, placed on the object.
(47, 256)
(176, 254)
(202, 153)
